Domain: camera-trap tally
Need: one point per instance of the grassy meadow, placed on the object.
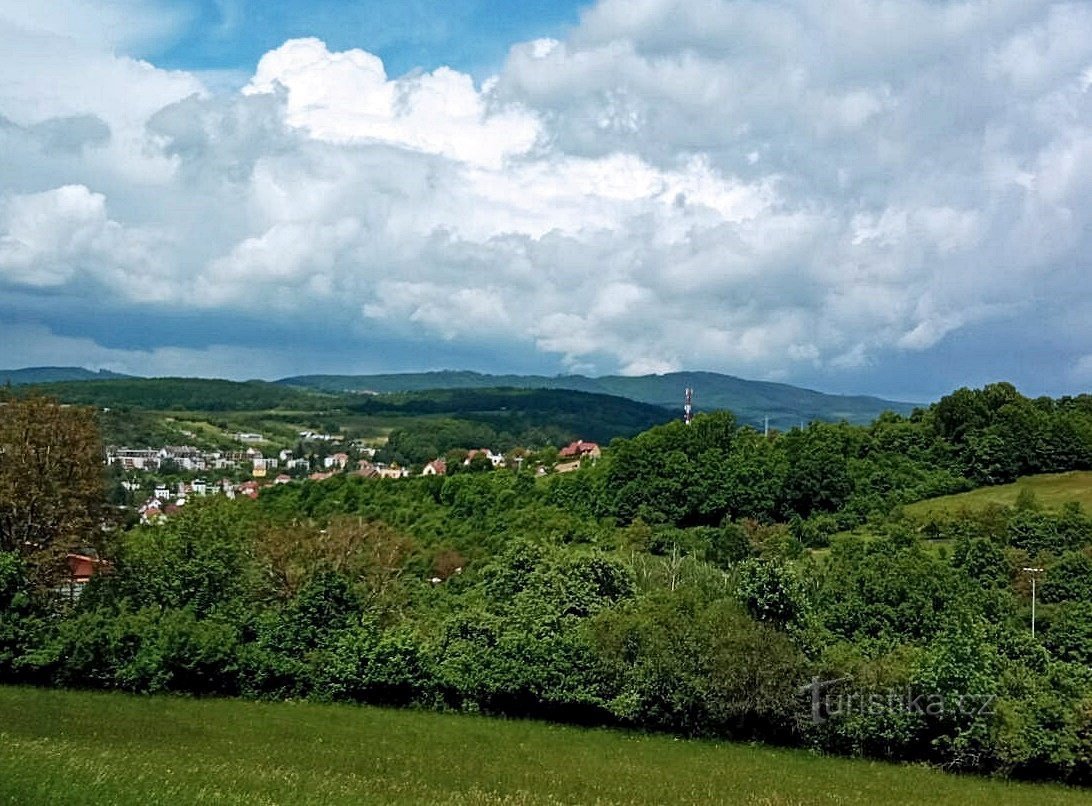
(77, 747)
(1051, 490)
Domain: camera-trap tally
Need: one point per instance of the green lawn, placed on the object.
(1051, 489)
(72, 747)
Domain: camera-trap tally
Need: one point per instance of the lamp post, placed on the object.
(1034, 573)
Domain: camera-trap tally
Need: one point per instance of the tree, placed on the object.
(52, 482)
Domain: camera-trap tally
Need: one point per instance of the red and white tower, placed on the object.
(688, 409)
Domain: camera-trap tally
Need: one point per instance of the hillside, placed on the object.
(580, 414)
(752, 401)
(146, 411)
(30, 375)
(183, 394)
(144, 750)
(1051, 491)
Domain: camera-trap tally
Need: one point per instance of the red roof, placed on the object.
(83, 567)
(578, 448)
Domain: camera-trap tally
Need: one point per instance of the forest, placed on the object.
(702, 580)
(414, 427)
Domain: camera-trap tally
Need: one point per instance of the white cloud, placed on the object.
(753, 187)
(117, 24)
(346, 98)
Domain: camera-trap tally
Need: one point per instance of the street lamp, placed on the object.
(1033, 572)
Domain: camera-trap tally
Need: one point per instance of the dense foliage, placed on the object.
(670, 586)
(596, 417)
(51, 481)
(182, 394)
(828, 477)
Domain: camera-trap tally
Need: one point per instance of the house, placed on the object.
(81, 567)
(262, 466)
(161, 492)
(152, 510)
(320, 476)
(283, 478)
(496, 459)
(580, 449)
(134, 458)
(366, 469)
(248, 488)
(338, 460)
(391, 472)
(437, 467)
(200, 487)
(248, 437)
(187, 456)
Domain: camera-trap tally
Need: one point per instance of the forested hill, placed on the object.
(183, 394)
(529, 416)
(31, 375)
(751, 401)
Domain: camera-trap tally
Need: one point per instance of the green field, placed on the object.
(1051, 490)
(76, 747)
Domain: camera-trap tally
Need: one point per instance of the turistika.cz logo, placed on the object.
(829, 700)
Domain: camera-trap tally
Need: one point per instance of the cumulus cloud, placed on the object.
(347, 98)
(772, 189)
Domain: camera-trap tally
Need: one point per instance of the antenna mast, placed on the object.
(688, 411)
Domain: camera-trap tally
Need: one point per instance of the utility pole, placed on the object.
(1034, 573)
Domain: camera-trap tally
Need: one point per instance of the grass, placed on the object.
(1051, 490)
(75, 747)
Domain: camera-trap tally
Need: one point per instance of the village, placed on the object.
(244, 473)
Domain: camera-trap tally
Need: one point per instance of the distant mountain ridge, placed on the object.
(752, 401)
(32, 375)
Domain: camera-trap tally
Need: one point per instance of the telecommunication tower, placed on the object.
(688, 410)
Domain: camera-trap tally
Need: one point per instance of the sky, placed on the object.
(872, 196)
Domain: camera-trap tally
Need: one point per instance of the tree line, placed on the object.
(668, 587)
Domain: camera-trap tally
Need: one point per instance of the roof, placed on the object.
(577, 448)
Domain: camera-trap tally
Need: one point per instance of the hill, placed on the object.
(32, 375)
(426, 424)
(752, 401)
(122, 749)
(182, 394)
(1051, 491)
(580, 414)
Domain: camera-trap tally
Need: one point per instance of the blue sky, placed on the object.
(853, 195)
(469, 35)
